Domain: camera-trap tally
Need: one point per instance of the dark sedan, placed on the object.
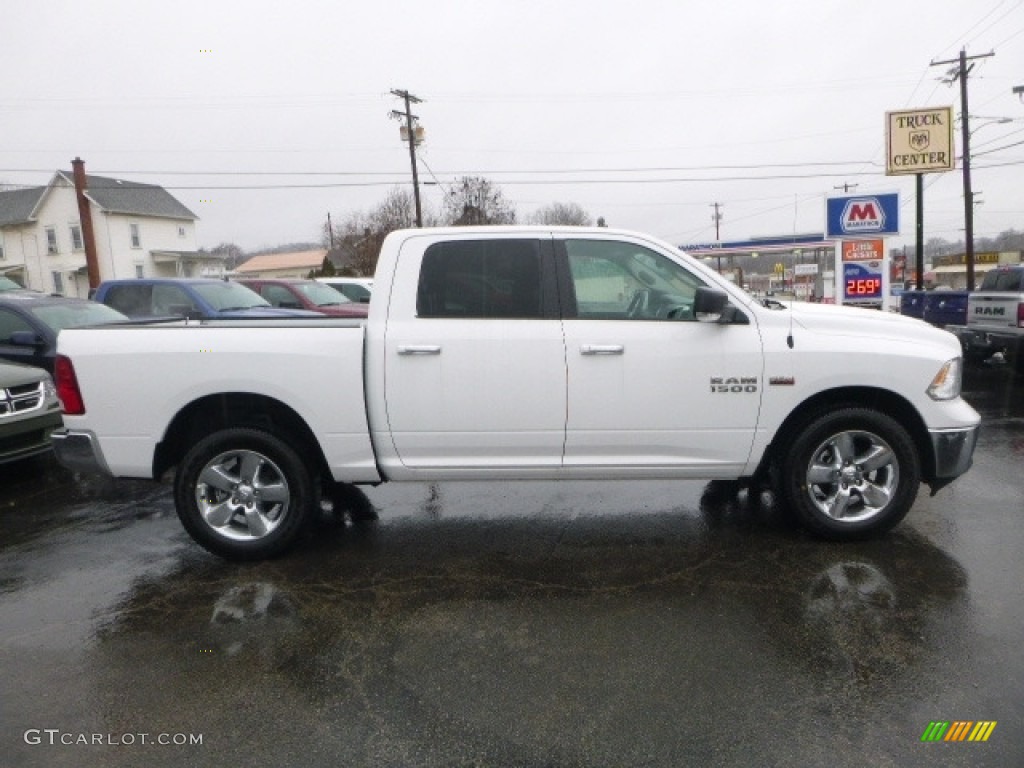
(30, 322)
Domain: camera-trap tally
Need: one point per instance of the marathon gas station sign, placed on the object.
(859, 223)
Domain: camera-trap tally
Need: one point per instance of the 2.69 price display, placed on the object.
(864, 287)
(862, 281)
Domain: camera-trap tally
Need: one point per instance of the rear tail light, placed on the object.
(1020, 314)
(67, 387)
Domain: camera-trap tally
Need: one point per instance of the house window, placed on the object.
(140, 270)
(76, 238)
(136, 240)
(181, 231)
(51, 240)
(58, 282)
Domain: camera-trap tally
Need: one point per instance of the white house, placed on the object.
(140, 230)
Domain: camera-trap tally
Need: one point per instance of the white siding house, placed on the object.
(141, 230)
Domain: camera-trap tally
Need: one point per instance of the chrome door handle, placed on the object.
(602, 349)
(420, 349)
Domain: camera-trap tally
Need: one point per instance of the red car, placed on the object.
(296, 293)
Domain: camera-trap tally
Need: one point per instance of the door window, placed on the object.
(9, 324)
(170, 300)
(615, 280)
(481, 279)
(279, 296)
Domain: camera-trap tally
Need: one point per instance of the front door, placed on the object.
(650, 388)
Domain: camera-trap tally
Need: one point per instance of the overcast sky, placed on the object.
(262, 117)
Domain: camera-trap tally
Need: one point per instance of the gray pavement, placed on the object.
(517, 624)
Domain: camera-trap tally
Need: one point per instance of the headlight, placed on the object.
(946, 384)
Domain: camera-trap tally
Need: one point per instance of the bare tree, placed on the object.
(571, 214)
(359, 235)
(476, 200)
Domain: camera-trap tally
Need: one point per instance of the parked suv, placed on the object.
(29, 411)
(30, 322)
(195, 298)
(308, 294)
(355, 288)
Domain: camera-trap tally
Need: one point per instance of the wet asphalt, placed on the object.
(518, 624)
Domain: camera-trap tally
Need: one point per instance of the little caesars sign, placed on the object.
(919, 141)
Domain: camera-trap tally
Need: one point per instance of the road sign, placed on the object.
(863, 216)
(919, 141)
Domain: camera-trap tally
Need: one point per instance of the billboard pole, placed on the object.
(919, 235)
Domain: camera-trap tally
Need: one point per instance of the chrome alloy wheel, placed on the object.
(852, 476)
(242, 495)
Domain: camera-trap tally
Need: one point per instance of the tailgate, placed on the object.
(994, 310)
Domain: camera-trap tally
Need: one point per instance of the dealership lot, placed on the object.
(525, 624)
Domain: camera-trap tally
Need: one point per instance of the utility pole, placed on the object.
(960, 72)
(330, 231)
(847, 187)
(410, 131)
(717, 218)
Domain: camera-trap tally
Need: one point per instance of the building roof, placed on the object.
(110, 195)
(131, 197)
(272, 262)
(16, 205)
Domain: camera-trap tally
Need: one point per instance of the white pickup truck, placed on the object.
(995, 316)
(521, 353)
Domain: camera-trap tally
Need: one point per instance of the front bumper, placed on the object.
(954, 451)
(79, 451)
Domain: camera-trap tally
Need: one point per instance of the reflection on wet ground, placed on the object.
(526, 624)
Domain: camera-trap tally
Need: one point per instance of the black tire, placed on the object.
(244, 494)
(851, 473)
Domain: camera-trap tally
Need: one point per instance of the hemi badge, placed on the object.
(781, 381)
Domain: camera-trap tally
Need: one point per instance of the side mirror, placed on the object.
(709, 304)
(27, 339)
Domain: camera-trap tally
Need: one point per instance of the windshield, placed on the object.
(322, 295)
(226, 296)
(73, 314)
(6, 284)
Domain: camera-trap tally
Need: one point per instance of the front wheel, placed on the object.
(851, 473)
(243, 494)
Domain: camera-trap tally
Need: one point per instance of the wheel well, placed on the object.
(889, 403)
(213, 413)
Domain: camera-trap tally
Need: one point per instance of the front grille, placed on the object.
(23, 398)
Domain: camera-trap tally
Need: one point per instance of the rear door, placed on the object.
(475, 373)
(651, 389)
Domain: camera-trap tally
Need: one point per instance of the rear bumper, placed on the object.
(79, 451)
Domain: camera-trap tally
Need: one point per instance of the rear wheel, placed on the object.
(851, 473)
(243, 494)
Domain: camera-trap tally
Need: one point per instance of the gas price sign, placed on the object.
(863, 265)
(862, 281)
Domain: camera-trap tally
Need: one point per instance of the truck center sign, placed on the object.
(919, 141)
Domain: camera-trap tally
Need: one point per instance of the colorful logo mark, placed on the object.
(958, 730)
